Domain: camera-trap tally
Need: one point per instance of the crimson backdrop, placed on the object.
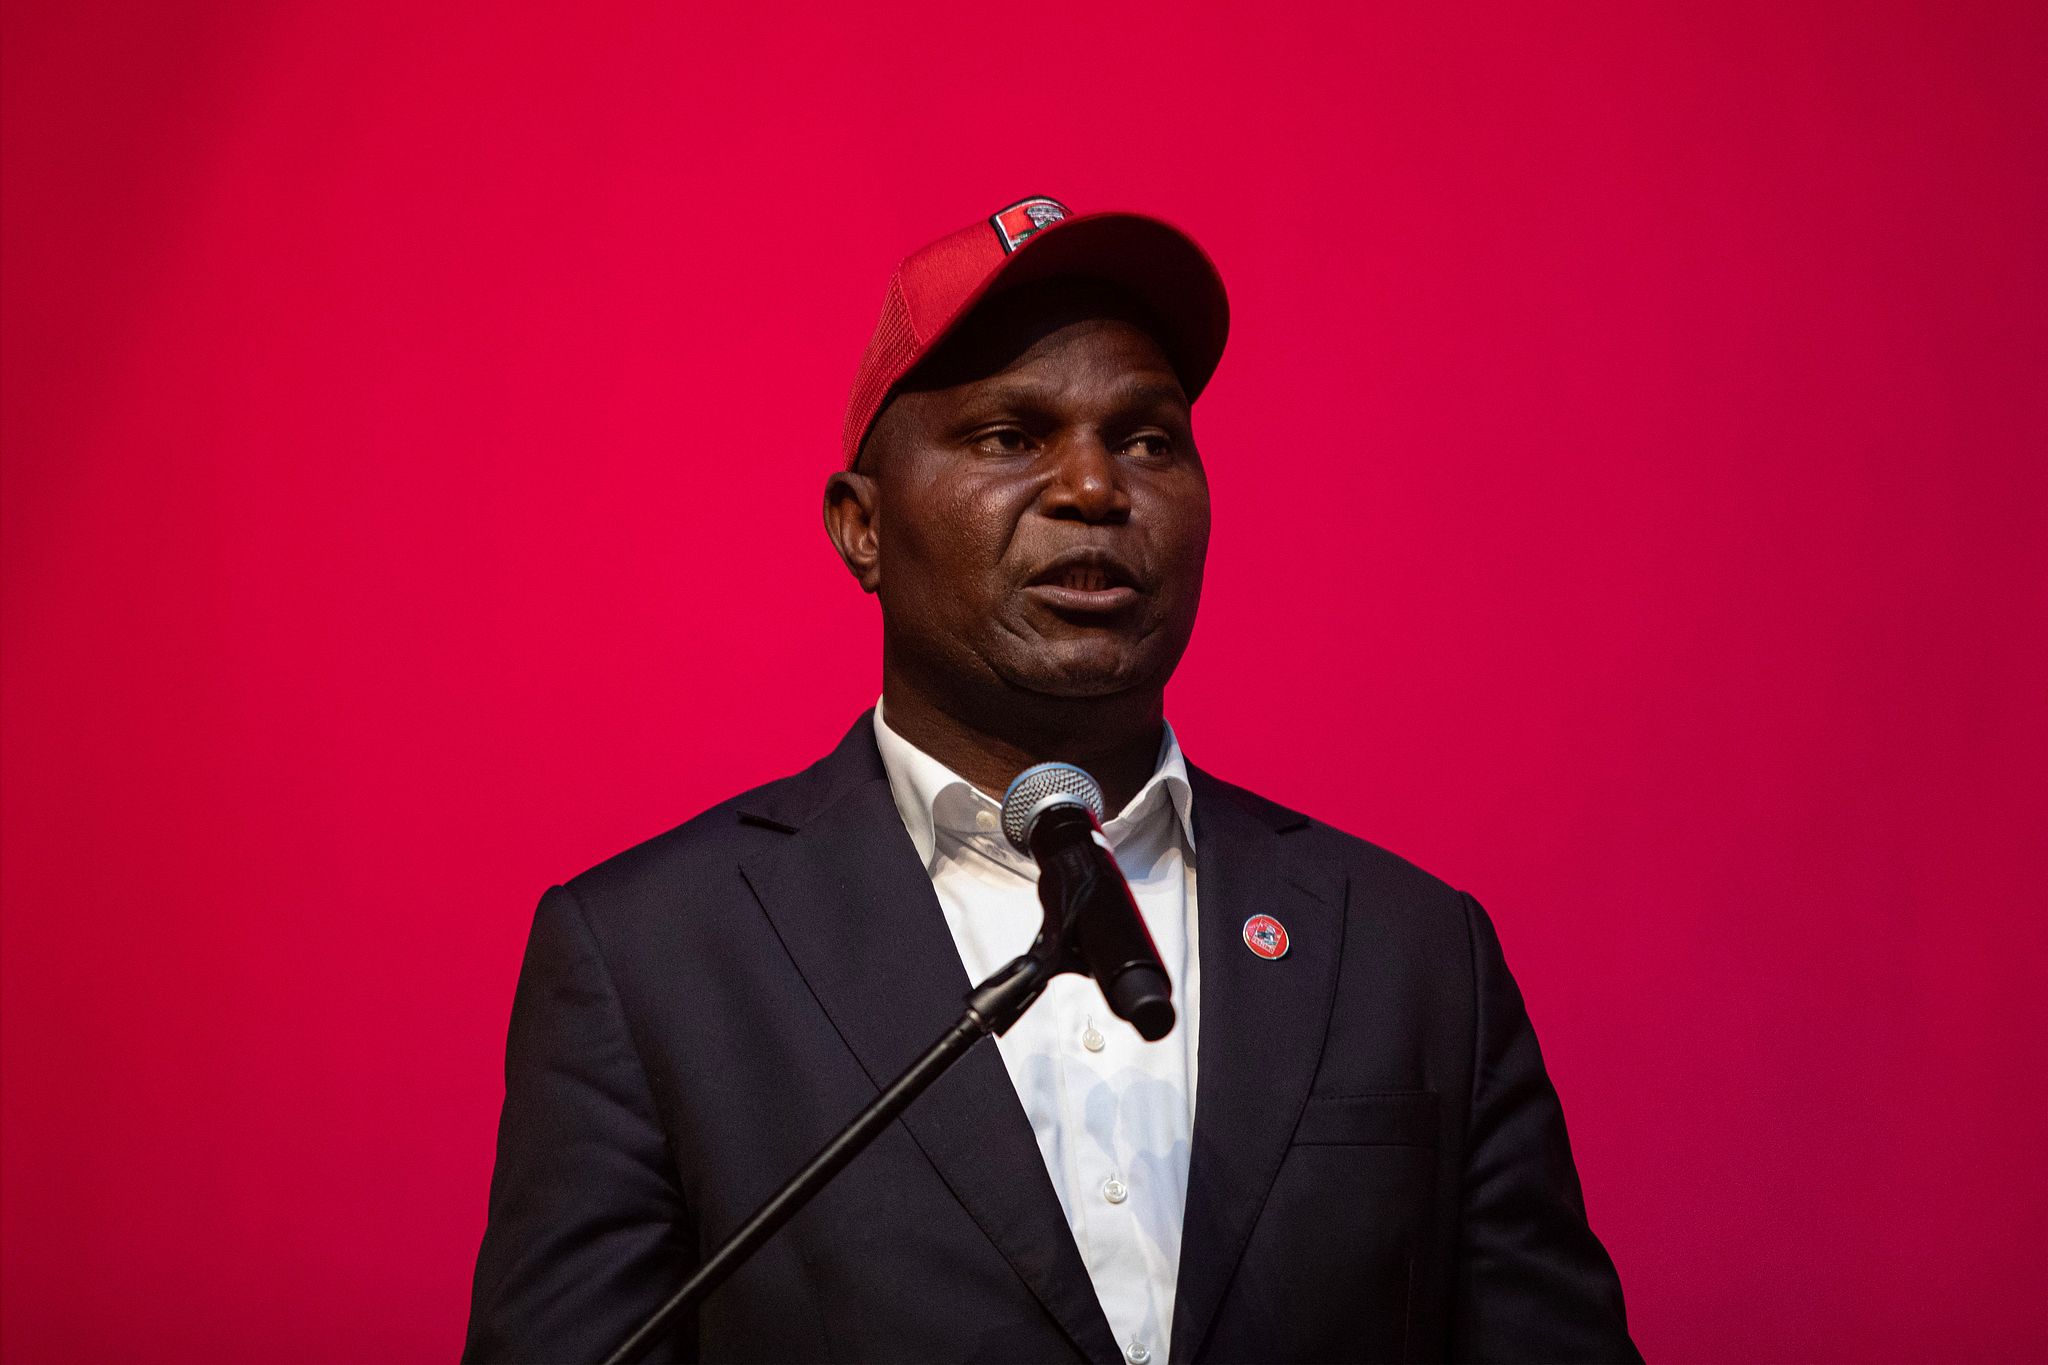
(1629, 481)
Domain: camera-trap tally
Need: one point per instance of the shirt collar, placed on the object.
(931, 798)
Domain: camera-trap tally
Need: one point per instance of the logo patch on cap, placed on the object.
(1024, 219)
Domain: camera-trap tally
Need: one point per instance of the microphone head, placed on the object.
(1038, 789)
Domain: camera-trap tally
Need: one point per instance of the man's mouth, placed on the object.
(1084, 578)
(1089, 582)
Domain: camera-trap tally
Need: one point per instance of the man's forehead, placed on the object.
(1131, 369)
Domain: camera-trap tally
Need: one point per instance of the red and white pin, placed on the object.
(1266, 936)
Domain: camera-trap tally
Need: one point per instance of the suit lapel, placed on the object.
(1262, 1027)
(858, 915)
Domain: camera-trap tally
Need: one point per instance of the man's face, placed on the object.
(1041, 514)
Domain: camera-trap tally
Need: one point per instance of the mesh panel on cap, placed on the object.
(888, 354)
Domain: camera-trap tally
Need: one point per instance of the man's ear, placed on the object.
(853, 518)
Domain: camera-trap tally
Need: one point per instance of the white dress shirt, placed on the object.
(1113, 1114)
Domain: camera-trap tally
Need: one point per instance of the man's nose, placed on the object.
(1087, 483)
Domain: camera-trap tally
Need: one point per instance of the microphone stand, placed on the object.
(992, 1007)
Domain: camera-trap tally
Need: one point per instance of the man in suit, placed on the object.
(1347, 1150)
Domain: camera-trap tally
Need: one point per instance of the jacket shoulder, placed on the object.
(1305, 837)
(717, 835)
(716, 840)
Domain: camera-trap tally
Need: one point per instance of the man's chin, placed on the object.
(1077, 670)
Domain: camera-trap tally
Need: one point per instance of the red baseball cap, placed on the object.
(1041, 239)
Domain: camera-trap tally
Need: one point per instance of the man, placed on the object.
(1348, 1149)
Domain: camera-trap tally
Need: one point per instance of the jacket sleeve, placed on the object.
(1533, 1282)
(587, 1230)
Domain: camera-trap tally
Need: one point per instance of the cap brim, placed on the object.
(1154, 262)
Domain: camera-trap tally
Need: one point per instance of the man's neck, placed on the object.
(1116, 739)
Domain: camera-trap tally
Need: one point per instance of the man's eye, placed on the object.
(1006, 440)
(1152, 443)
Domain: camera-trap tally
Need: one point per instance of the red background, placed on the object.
(1629, 482)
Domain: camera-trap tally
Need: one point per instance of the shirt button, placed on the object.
(1115, 1191)
(985, 820)
(1091, 1038)
(1137, 1353)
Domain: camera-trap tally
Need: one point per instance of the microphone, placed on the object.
(1052, 811)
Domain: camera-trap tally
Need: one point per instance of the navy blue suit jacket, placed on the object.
(1379, 1170)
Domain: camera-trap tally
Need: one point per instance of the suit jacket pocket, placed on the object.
(1402, 1118)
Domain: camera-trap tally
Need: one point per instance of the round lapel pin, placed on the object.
(1266, 936)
